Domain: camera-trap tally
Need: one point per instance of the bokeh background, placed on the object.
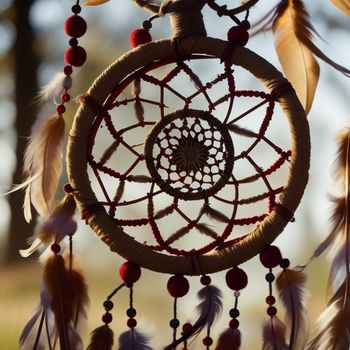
(32, 43)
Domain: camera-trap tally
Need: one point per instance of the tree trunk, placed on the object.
(26, 87)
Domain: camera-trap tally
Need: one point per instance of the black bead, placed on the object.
(270, 277)
(76, 9)
(108, 305)
(73, 42)
(131, 312)
(234, 313)
(285, 263)
(147, 24)
(245, 24)
(174, 323)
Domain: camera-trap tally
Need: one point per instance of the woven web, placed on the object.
(194, 134)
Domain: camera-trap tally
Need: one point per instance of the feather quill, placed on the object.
(102, 338)
(58, 225)
(290, 285)
(293, 30)
(229, 340)
(133, 340)
(274, 335)
(42, 165)
(342, 5)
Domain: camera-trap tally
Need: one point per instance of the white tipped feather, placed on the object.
(133, 340)
(55, 87)
(274, 335)
(42, 165)
(290, 284)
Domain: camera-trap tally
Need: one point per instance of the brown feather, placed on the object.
(94, 2)
(204, 229)
(119, 193)
(107, 154)
(293, 35)
(102, 338)
(140, 178)
(164, 212)
(178, 234)
(229, 340)
(42, 165)
(342, 5)
(215, 214)
(274, 334)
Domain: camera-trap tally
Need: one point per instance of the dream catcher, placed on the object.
(180, 169)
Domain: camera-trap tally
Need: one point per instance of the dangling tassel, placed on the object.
(102, 338)
(58, 225)
(133, 340)
(333, 325)
(42, 166)
(229, 340)
(274, 334)
(290, 285)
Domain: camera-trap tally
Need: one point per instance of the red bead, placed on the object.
(234, 323)
(270, 300)
(139, 37)
(130, 272)
(60, 109)
(75, 56)
(271, 311)
(270, 256)
(178, 286)
(107, 318)
(68, 188)
(68, 70)
(207, 341)
(55, 248)
(75, 26)
(186, 328)
(238, 35)
(65, 97)
(236, 279)
(132, 323)
(205, 280)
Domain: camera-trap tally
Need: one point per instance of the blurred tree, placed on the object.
(25, 88)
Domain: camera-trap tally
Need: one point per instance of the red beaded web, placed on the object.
(185, 165)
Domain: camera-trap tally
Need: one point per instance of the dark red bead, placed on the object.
(139, 36)
(178, 286)
(55, 248)
(130, 272)
(65, 97)
(205, 280)
(75, 26)
(270, 256)
(187, 327)
(68, 70)
(207, 341)
(234, 323)
(132, 323)
(68, 188)
(107, 318)
(238, 35)
(271, 311)
(75, 56)
(60, 109)
(270, 300)
(236, 279)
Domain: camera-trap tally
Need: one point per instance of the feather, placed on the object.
(215, 214)
(94, 2)
(178, 234)
(57, 226)
(342, 5)
(140, 178)
(241, 131)
(55, 87)
(229, 340)
(139, 110)
(68, 292)
(133, 340)
(291, 28)
(274, 334)
(42, 165)
(102, 338)
(290, 285)
(119, 192)
(164, 212)
(206, 230)
(107, 154)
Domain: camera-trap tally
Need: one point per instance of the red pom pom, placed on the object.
(129, 272)
(270, 300)
(139, 37)
(238, 35)
(178, 286)
(65, 97)
(75, 56)
(60, 109)
(270, 256)
(75, 26)
(236, 278)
